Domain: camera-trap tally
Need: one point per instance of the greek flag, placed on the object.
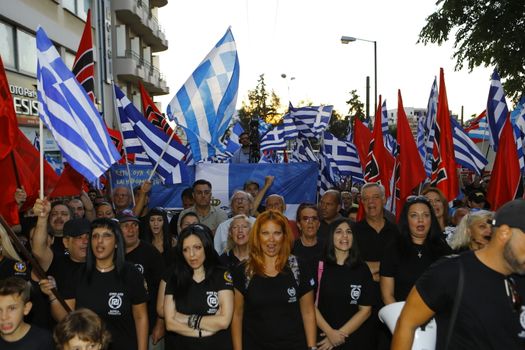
(290, 130)
(204, 105)
(152, 140)
(311, 121)
(479, 129)
(274, 139)
(518, 115)
(325, 180)
(496, 110)
(70, 115)
(465, 150)
(429, 131)
(342, 157)
(233, 144)
(302, 152)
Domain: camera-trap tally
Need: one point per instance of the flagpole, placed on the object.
(161, 155)
(115, 107)
(41, 141)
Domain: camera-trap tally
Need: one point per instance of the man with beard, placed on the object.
(475, 297)
(57, 216)
(240, 203)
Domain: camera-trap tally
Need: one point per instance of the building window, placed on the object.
(69, 59)
(78, 7)
(26, 52)
(7, 45)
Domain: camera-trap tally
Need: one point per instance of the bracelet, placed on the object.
(312, 348)
(192, 319)
(50, 301)
(200, 333)
(198, 324)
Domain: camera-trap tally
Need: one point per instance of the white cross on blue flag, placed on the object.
(204, 105)
(70, 115)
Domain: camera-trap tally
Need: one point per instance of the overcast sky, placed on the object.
(301, 38)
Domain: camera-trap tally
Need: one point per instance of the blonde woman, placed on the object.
(473, 231)
(237, 245)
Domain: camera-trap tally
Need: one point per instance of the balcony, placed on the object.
(138, 17)
(133, 68)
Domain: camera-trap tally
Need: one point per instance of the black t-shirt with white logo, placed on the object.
(272, 316)
(486, 319)
(343, 290)
(12, 268)
(202, 299)
(112, 299)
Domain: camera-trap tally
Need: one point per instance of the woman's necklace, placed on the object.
(419, 253)
(105, 269)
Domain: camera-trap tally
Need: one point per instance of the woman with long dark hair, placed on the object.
(157, 232)
(198, 304)
(420, 243)
(344, 296)
(274, 302)
(111, 287)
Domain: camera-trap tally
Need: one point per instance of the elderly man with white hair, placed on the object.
(241, 202)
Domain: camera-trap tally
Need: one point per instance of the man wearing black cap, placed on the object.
(487, 285)
(148, 260)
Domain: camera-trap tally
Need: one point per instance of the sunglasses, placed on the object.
(419, 198)
(512, 294)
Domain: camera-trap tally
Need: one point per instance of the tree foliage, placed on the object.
(260, 104)
(489, 32)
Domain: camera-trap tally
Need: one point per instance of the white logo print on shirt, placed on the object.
(114, 303)
(291, 293)
(522, 323)
(355, 293)
(212, 299)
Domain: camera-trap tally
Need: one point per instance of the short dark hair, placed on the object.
(304, 206)
(188, 191)
(201, 182)
(189, 213)
(15, 285)
(84, 324)
(250, 182)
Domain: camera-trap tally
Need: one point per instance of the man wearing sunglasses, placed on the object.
(475, 297)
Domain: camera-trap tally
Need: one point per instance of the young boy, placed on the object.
(15, 334)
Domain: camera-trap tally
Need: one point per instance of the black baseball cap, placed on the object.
(76, 227)
(127, 215)
(511, 214)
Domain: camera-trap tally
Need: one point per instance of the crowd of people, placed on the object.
(122, 276)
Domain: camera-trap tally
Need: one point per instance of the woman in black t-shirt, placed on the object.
(111, 287)
(157, 232)
(237, 247)
(274, 301)
(198, 305)
(420, 243)
(344, 296)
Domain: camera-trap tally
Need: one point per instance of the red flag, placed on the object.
(505, 177)
(70, 183)
(153, 114)
(19, 169)
(8, 122)
(362, 138)
(444, 165)
(409, 168)
(379, 163)
(84, 65)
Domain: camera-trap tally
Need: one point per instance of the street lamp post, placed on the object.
(349, 39)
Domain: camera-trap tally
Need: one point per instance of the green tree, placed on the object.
(355, 107)
(260, 104)
(487, 33)
(338, 125)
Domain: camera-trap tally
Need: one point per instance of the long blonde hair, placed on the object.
(6, 246)
(461, 237)
(255, 263)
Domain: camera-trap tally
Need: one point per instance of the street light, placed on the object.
(348, 39)
(284, 76)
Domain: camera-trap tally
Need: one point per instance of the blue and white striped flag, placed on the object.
(233, 144)
(420, 138)
(465, 150)
(518, 115)
(325, 180)
(290, 130)
(152, 141)
(480, 130)
(429, 128)
(496, 110)
(302, 152)
(70, 115)
(342, 157)
(389, 141)
(205, 104)
(273, 139)
(311, 121)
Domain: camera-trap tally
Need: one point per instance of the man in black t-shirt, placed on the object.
(148, 260)
(489, 310)
(15, 334)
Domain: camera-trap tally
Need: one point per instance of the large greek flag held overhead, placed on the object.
(204, 105)
(70, 115)
(465, 150)
(146, 137)
(311, 121)
(342, 157)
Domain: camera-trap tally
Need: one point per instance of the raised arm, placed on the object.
(142, 198)
(39, 242)
(88, 206)
(268, 181)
